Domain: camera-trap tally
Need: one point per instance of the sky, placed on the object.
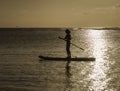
(59, 13)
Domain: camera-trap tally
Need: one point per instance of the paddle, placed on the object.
(72, 44)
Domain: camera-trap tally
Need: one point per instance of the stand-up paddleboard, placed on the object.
(66, 59)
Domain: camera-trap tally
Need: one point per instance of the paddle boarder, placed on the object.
(67, 39)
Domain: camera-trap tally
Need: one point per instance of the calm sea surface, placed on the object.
(22, 70)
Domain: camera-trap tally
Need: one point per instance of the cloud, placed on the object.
(104, 10)
(117, 6)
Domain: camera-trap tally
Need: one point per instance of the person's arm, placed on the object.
(65, 38)
(62, 38)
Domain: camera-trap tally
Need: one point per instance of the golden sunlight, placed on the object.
(98, 75)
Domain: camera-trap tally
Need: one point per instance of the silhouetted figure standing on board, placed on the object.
(68, 38)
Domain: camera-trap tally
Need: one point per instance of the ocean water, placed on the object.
(22, 70)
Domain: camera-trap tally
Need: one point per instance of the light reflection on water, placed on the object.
(101, 66)
(19, 62)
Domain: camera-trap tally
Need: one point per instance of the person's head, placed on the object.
(67, 31)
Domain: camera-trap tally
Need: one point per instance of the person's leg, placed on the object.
(68, 49)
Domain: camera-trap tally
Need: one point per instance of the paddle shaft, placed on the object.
(72, 43)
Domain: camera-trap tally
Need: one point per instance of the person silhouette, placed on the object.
(68, 39)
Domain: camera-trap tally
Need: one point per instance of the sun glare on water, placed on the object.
(98, 76)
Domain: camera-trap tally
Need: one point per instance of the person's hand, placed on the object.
(60, 37)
